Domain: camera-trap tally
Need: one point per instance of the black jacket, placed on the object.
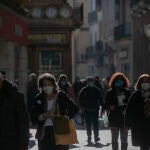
(116, 117)
(90, 97)
(77, 86)
(14, 125)
(66, 107)
(32, 91)
(137, 120)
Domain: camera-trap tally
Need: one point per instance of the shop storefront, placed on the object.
(13, 41)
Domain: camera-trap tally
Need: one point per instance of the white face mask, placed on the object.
(145, 86)
(48, 89)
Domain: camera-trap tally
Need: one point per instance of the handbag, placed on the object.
(64, 137)
(61, 124)
(67, 139)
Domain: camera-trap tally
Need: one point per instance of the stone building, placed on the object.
(81, 42)
(141, 37)
(51, 24)
(94, 49)
(117, 37)
(13, 35)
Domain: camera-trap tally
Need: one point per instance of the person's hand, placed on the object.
(48, 114)
(112, 107)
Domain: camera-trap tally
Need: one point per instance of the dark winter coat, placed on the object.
(137, 120)
(14, 125)
(77, 86)
(90, 98)
(32, 91)
(116, 117)
(98, 85)
(66, 107)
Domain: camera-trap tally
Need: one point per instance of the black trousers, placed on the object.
(48, 141)
(91, 120)
(144, 147)
(10, 144)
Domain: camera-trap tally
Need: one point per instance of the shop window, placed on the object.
(18, 30)
(50, 59)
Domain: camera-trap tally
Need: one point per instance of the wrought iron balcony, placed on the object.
(89, 52)
(99, 45)
(92, 17)
(99, 60)
(122, 31)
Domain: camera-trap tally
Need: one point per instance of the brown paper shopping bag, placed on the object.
(66, 139)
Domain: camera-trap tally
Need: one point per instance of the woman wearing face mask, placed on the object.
(44, 107)
(65, 85)
(138, 113)
(115, 103)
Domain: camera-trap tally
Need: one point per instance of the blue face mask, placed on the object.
(63, 83)
(91, 84)
(119, 83)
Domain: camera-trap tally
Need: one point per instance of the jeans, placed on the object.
(91, 120)
(123, 137)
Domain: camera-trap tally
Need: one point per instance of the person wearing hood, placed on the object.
(90, 99)
(115, 103)
(65, 85)
(14, 126)
(137, 114)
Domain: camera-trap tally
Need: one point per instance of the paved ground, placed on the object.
(81, 132)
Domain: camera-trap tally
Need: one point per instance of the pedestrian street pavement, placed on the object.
(105, 142)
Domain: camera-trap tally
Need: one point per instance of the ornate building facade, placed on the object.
(51, 23)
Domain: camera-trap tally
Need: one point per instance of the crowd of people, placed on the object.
(52, 105)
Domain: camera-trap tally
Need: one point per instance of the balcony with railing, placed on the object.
(92, 17)
(99, 46)
(122, 31)
(90, 52)
(99, 60)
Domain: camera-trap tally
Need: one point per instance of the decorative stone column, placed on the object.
(23, 74)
